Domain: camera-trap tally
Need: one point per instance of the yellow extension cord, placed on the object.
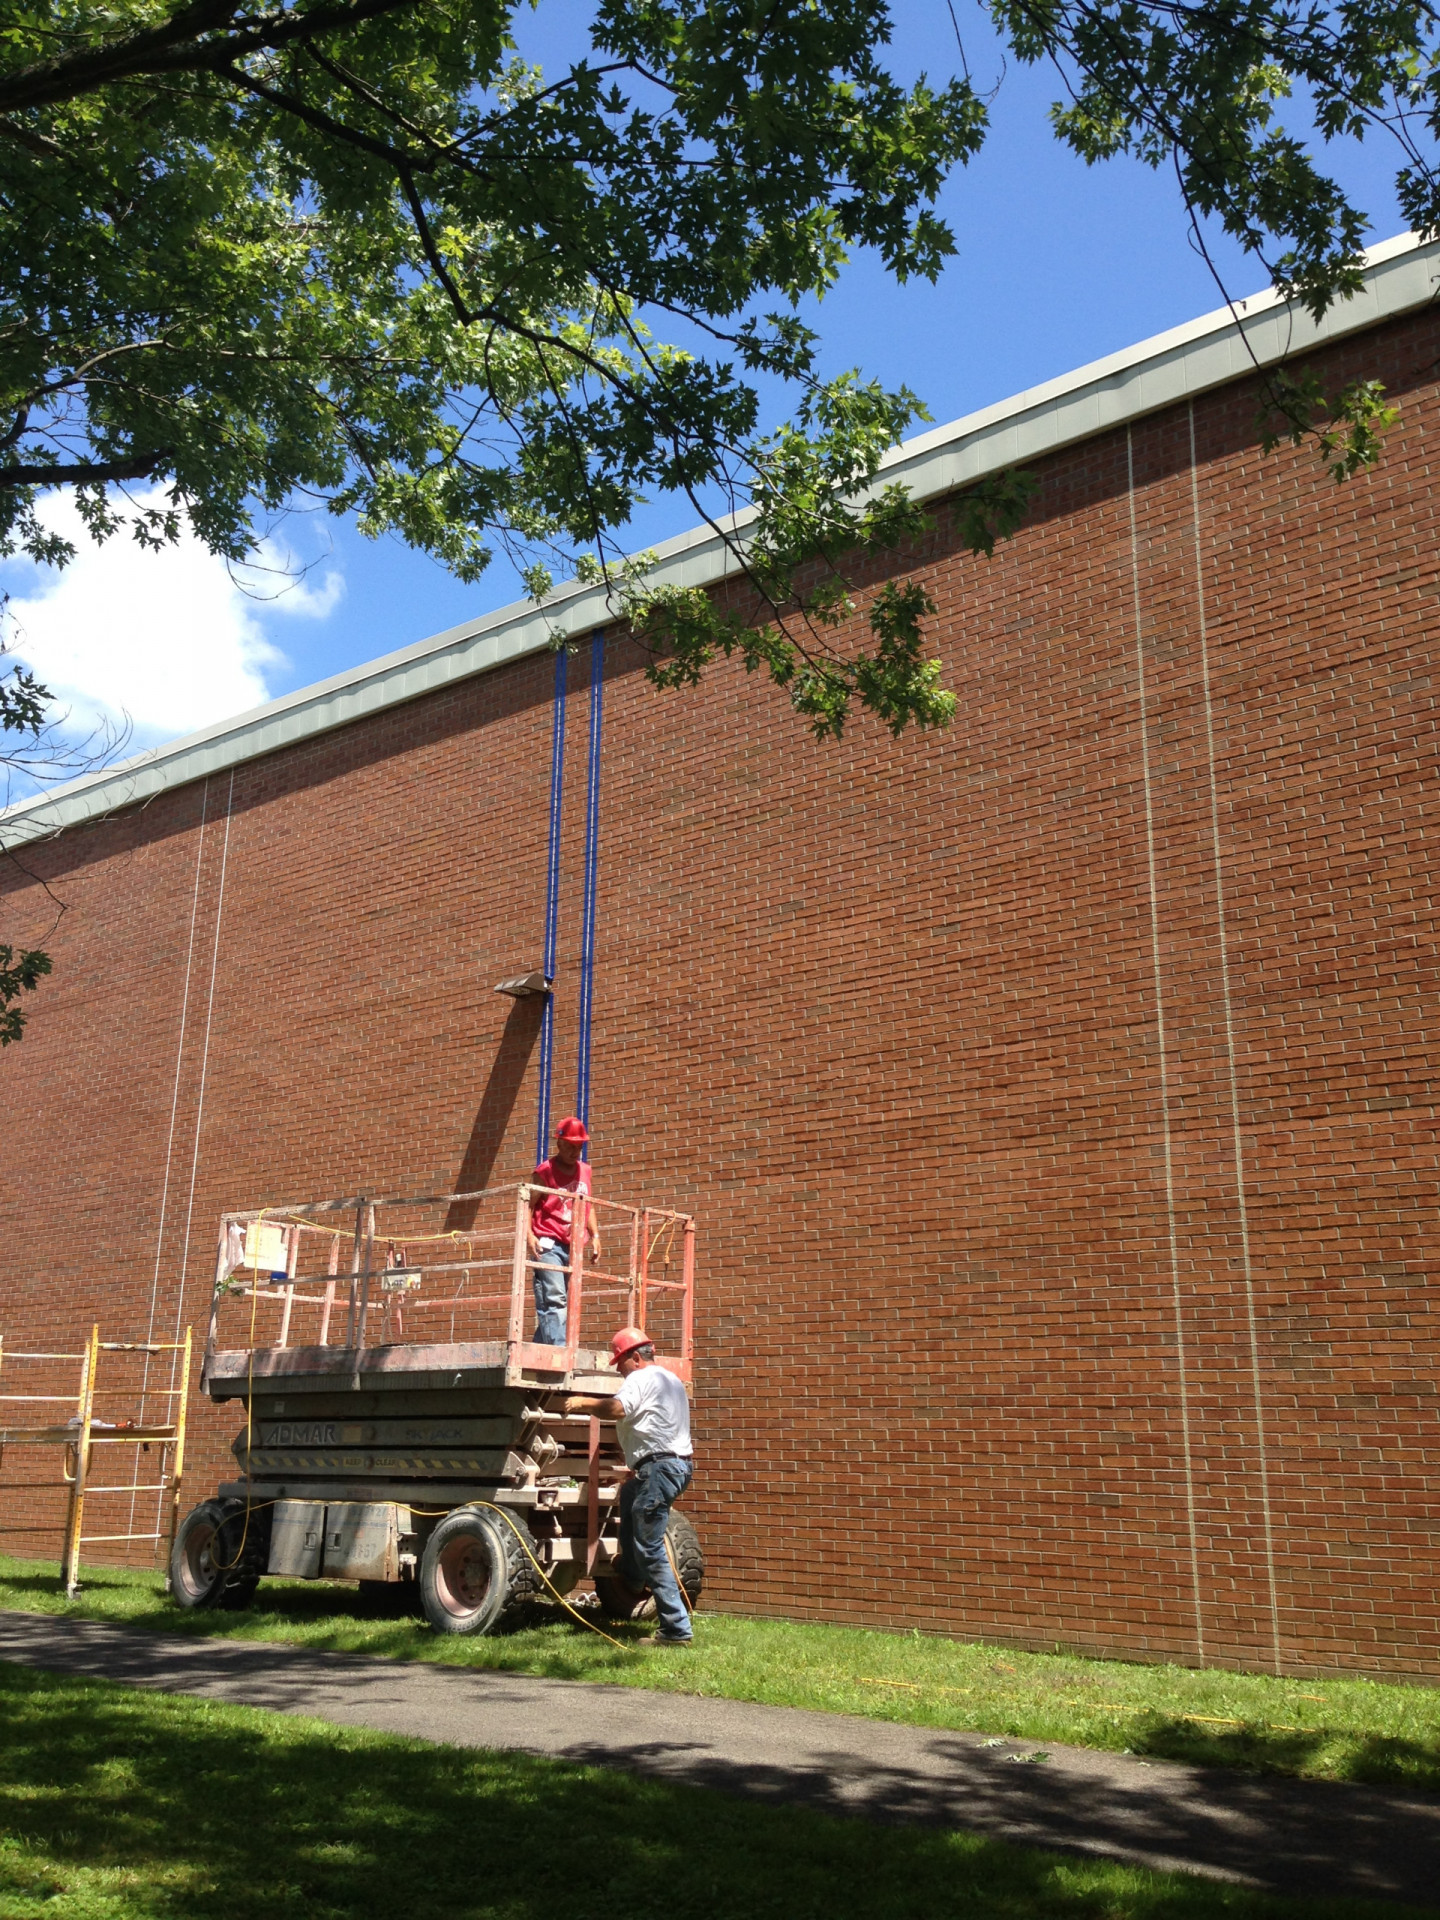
(670, 1554)
(439, 1513)
(553, 1590)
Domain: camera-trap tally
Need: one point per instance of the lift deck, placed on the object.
(399, 1426)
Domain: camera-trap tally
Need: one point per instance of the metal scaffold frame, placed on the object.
(84, 1431)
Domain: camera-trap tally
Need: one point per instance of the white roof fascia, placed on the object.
(1400, 276)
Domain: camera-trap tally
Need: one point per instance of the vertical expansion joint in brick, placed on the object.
(1232, 1069)
(1162, 1057)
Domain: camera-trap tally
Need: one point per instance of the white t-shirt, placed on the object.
(657, 1414)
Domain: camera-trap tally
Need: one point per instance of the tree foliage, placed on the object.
(358, 250)
(19, 973)
(1199, 88)
(1239, 99)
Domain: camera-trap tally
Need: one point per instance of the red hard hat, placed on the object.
(572, 1129)
(626, 1341)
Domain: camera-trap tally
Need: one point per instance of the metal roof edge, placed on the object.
(1400, 275)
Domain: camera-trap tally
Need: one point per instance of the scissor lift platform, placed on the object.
(414, 1365)
(441, 1465)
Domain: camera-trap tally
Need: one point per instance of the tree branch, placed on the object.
(181, 45)
(432, 251)
(31, 141)
(84, 473)
(403, 163)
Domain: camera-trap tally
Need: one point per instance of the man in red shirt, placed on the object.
(551, 1217)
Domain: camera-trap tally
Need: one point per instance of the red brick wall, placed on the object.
(1054, 1092)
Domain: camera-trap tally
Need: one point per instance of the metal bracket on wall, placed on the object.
(524, 984)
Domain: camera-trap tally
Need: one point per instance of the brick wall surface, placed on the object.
(1054, 1092)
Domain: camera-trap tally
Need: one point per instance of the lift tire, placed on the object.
(689, 1560)
(217, 1560)
(245, 1542)
(620, 1601)
(474, 1570)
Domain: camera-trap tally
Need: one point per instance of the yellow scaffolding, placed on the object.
(83, 1432)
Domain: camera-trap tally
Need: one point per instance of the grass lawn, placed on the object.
(1332, 1729)
(121, 1805)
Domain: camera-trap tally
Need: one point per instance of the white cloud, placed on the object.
(169, 639)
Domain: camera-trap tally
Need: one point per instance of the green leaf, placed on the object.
(19, 973)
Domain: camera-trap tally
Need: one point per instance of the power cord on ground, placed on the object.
(675, 1569)
(574, 1612)
(439, 1513)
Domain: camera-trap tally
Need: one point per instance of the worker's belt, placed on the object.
(646, 1458)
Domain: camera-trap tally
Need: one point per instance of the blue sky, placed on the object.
(1057, 264)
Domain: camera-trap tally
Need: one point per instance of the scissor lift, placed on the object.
(409, 1436)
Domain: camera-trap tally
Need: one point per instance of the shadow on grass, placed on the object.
(1371, 1759)
(537, 1638)
(121, 1802)
(1375, 1736)
(336, 1617)
(44, 1586)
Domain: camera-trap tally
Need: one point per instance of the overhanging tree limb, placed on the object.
(182, 44)
(84, 473)
(377, 247)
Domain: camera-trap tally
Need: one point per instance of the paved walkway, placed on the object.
(1290, 1836)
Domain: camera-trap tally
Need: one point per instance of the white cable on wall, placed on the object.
(175, 1090)
(1177, 1300)
(170, 1136)
(1237, 1139)
(204, 1073)
(204, 1058)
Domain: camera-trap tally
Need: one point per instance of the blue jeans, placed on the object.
(645, 1502)
(552, 1291)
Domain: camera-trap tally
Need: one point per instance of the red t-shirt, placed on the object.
(550, 1216)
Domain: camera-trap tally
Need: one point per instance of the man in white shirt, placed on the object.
(652, 1416)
